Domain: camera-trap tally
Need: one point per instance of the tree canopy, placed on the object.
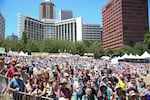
(80, 47)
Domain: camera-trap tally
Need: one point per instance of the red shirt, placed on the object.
(10, 72)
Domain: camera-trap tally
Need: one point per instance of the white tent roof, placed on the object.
(145, 55)
(105, 57)
(22, 54)
(115, 60)
(124, 56)
(9, 53)
(12, 53)
(131, 56)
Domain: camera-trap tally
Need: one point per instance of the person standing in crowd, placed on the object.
(24, 72)
(122, 83)
(102, 94)
(86, 77)
(16, 85)
(63, 92)
(142, 83)
(134, 96)
(89, 95)
(104, 81)
(94, 84)
(11, 70)
(52, 93)
(109, 91)
(39, 90)
(118, 93)
(147, 94)
(29, 87)
(88, 85)
(67, 79)
(132, 85)
(78, 86)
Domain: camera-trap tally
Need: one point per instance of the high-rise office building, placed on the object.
(70, 29)
(12, 37)
(47, 10)
(33, 27)
(125, 22)
(65, 14)
(2, 26)
(91, 32)
(67, 29)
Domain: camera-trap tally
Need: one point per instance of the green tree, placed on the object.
(96, 48)
(117, 52)
(109, 52)
(139, 48)
(80, 48)
(147, 40)
(24, 37)
(31, 46)
(126, 49)
(1, 42)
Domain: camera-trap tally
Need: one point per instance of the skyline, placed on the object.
(31, 8)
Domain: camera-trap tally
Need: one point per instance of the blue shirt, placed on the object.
(147, 97)
(108, 93)
(17, 84)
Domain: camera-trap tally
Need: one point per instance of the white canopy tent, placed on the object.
(131, 56)
(124, 56)
(12, 53)
(145, 55)
(9, 53)
(105, 57)
(22, 54)
(115, 60)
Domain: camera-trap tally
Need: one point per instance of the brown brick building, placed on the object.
(47, 10)
(125, 22)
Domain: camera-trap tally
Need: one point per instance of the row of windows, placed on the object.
(110, 5)
(111, 19)
(113, 45)
(112, 14)
(111, 37)
(116, 26)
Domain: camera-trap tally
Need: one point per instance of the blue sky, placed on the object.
(89, 10)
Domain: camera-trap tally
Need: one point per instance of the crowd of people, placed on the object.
(73, 78)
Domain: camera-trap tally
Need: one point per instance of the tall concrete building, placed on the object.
(65, 14)
(70, 29)
(2, 26)
(91, 32)
(47, 10)
(125, 22)
(47, 27)
(12, 37)
(33, 27)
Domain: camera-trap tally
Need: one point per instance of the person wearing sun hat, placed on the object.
(67, 79)
(118, 93)
(133, 95)
(104, 81)
(102, 94)
(63, 92)
(109, 90)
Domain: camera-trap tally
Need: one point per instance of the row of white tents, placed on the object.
(15, 53)
(145, 55)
